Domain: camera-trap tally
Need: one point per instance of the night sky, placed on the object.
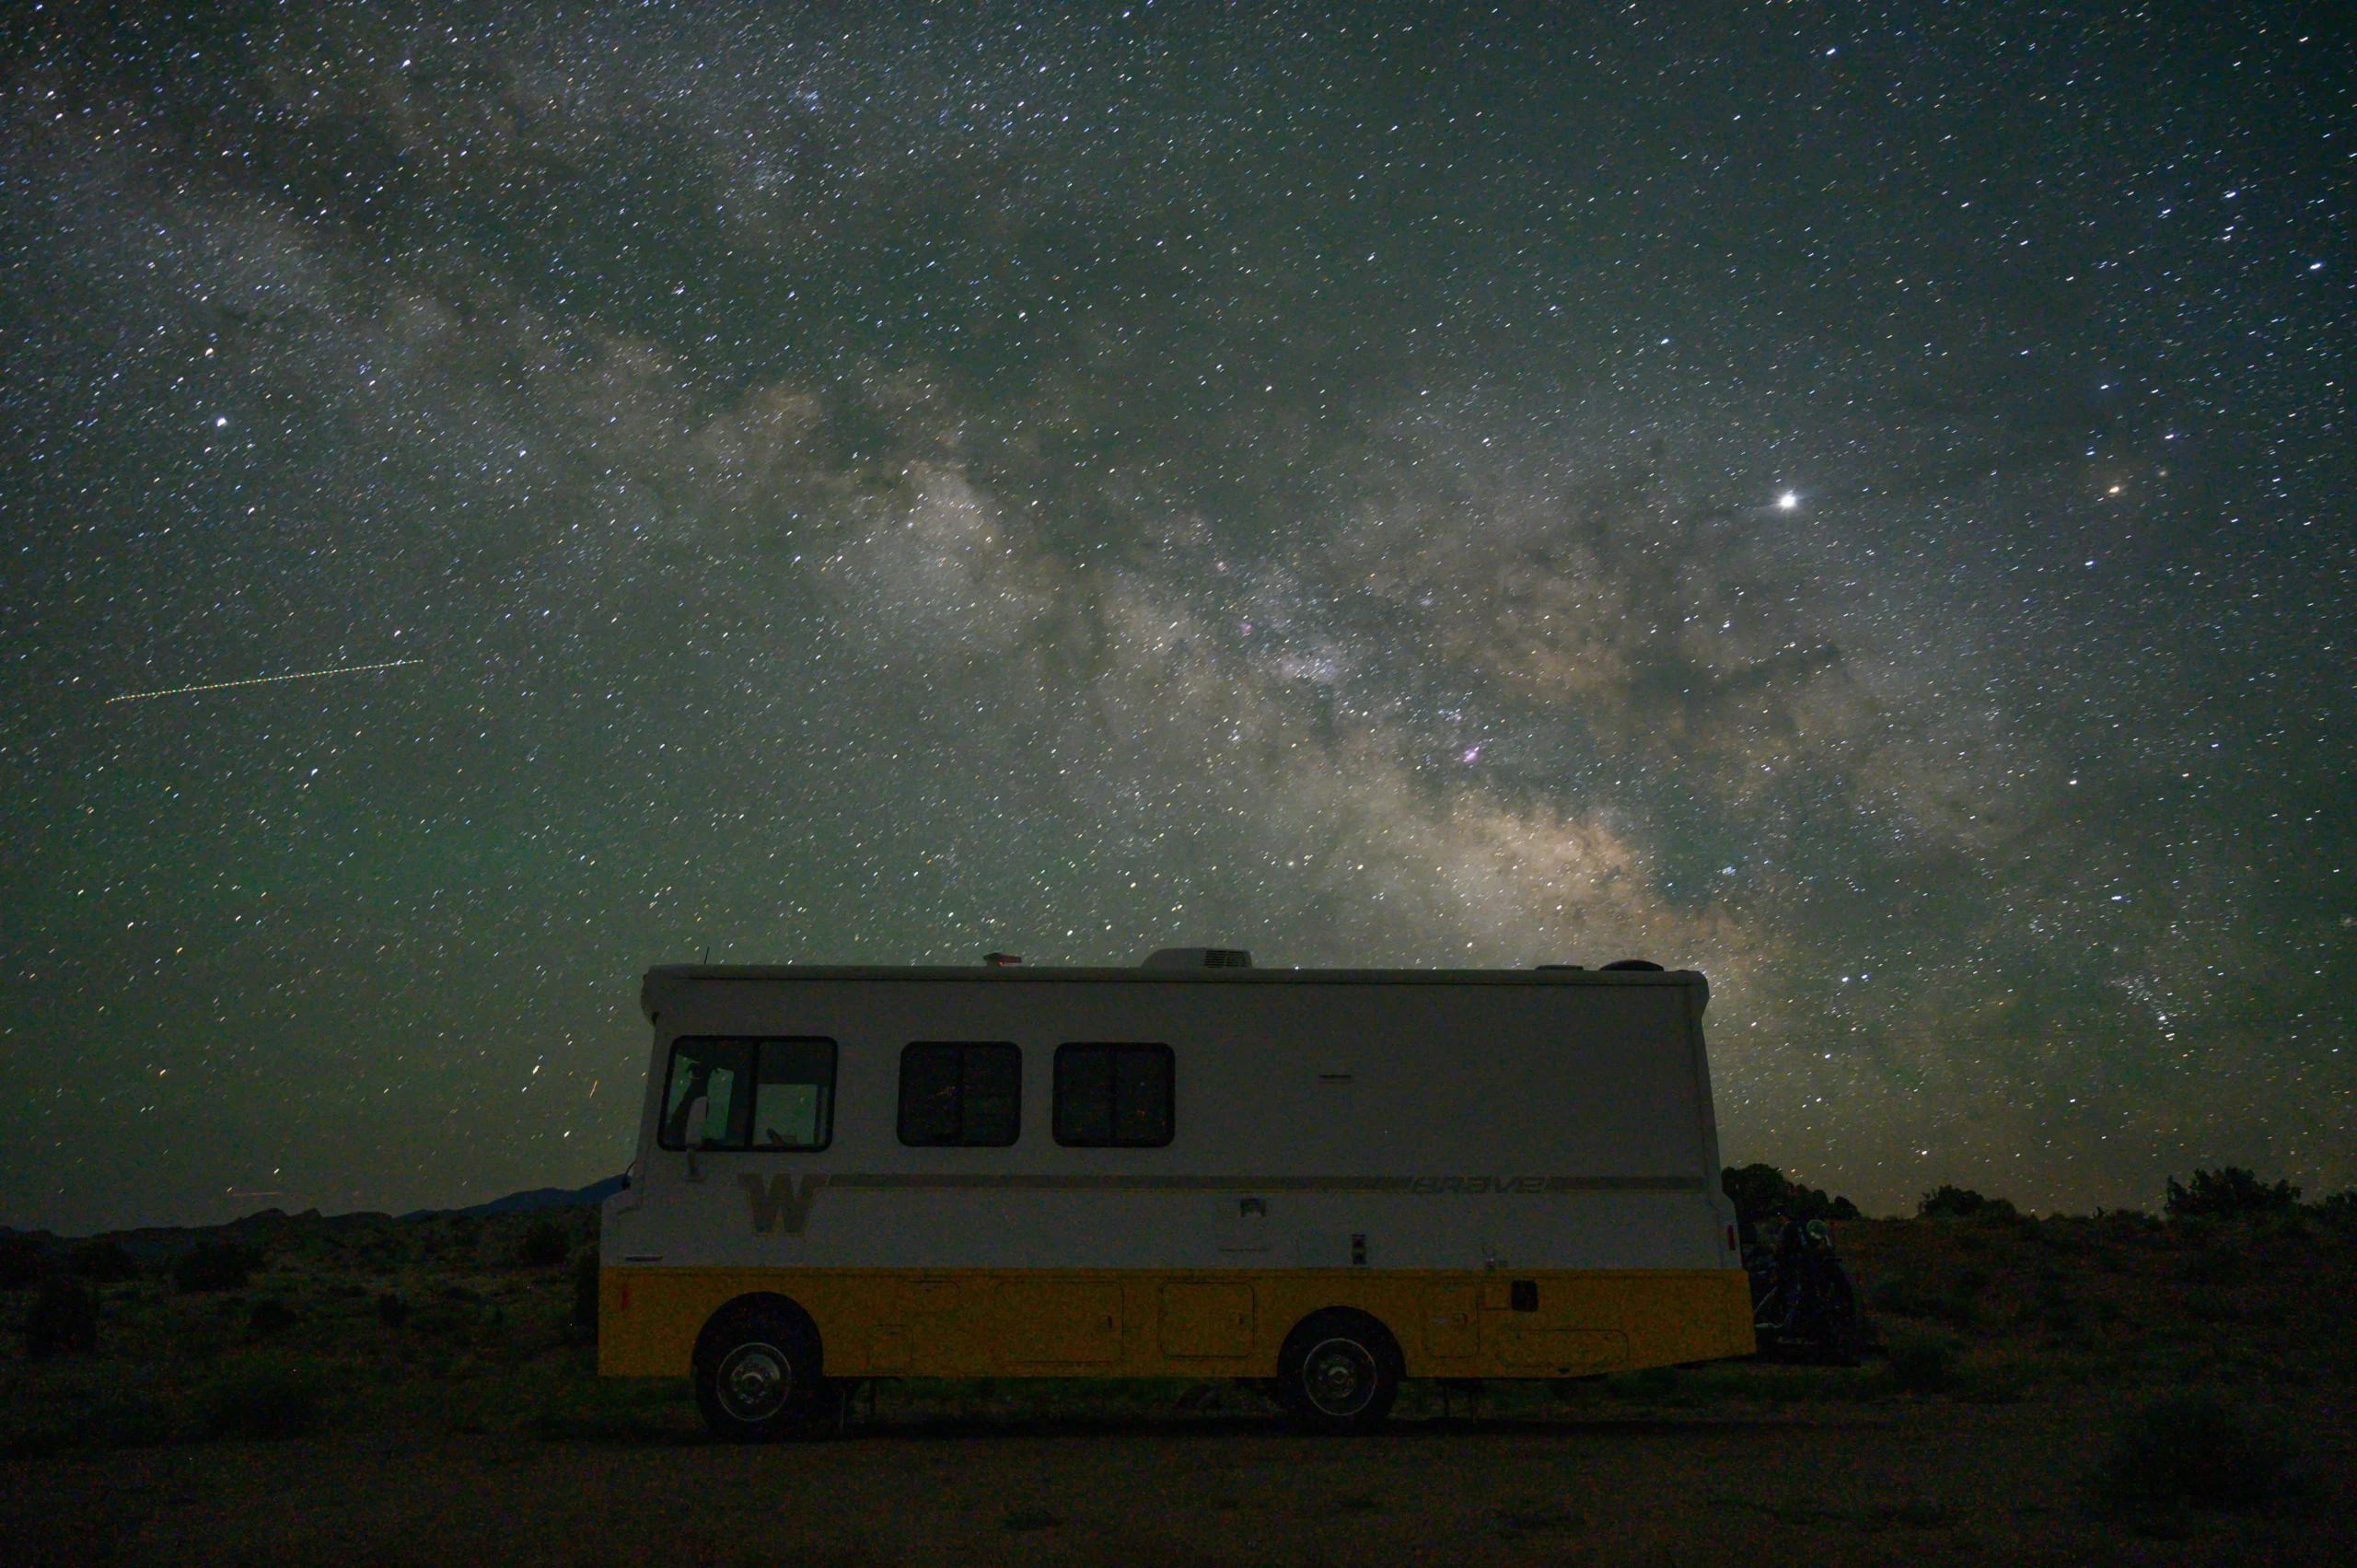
(1857, 501)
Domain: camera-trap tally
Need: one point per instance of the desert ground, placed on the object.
(2084, 1390)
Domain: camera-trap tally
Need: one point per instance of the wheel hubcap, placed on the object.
(753, 1382)
(1339, 1377)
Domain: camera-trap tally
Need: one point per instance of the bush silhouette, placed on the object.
(2227, 1192)
(544, 1246)
(1950, 1202)
(585, 1289)
(104, 1261)
(270, 1316)
(2191, 1450)
(19, 1262)
(213, 1265)
(65, 1318)
(263, 1402)
(1760, 1192)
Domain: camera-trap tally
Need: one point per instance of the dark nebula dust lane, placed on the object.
(1858, 502)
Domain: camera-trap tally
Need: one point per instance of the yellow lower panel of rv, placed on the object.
(1138, 1323)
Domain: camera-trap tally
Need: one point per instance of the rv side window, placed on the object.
(1113, 1095)
(737, 1094)
(956, 1093)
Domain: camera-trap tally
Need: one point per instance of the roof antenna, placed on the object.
(707, 953)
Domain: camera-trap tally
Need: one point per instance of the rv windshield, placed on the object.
(750, 1094)
(701, 1108)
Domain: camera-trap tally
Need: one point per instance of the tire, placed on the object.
(757, 1370)
(1340, 1371)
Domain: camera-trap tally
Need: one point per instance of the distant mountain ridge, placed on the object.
(536, 1198)
(149, 1244)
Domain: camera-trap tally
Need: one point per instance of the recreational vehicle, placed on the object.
(1323, 1181)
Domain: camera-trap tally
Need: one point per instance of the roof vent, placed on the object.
(1199, 958)
(1646, 965)
(1001, 960)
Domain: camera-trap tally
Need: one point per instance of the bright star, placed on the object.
(1787, 501)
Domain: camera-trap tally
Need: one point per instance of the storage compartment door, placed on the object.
(1210, 1318)
(1058, 1322)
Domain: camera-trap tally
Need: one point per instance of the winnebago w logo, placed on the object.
(778, 1204)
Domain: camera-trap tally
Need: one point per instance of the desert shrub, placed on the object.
(64, 1316)
(213, 1265)
(393, 1309)
(1902, 1298)
(458, 1315)
(2228, 1193)
(1956, 1311)
(263, 1402)
(2341, 1207)
(585, 1289)
(19, 1262)
(271, 1316)
(441, 1321)
(2052, 1306)
(104, 1261)
(544, 1246)
(1950, 1202)
(1923, 1366)
(2215, 1266)
(2192, 1451)
(2205, 1306)
(1760, 1193)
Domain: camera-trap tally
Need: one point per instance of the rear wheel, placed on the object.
(1339, 1371)
(757, 1372)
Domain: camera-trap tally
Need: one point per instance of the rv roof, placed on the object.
(665, 978)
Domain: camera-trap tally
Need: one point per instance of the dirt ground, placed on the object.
(1894, 1483)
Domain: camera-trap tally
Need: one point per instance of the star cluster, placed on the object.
(1853, 501)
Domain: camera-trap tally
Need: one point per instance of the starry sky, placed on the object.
(1855, 500)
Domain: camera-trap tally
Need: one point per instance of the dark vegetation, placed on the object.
(104, 1261)
(65, 1318)
(20, 1261)
(214, 1266)
(1962, 1203)
(1761, 1193)
(2192, 1330)
(545, 1245)
(2231, 1193)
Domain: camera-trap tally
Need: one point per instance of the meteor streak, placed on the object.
(262, 679)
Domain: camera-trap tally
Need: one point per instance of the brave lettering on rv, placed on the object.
(778, 1204)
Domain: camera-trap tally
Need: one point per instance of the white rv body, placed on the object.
(1437, 1149)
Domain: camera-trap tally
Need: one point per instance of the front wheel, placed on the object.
(756, 1375)
(1340, 1372)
